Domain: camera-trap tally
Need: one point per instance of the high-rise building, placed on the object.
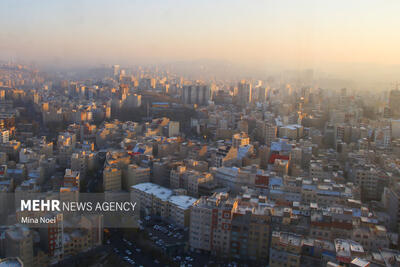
(383, 137)
(239, 227)
(210, 224)
(391, 202)
(147, 83)
(244, 93)
(260, 94)
(394, 100)
(173, 128)
(250, 229)
(112, 178)
(82, 162)
(115, 69)
(196, 94)
(370, 180)
(271, 132)
(395, 129)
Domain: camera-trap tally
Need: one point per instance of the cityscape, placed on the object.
(180, 134)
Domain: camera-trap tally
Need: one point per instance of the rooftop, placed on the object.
(154, 189)
(183, 202)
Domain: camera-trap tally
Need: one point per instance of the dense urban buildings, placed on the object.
(156, 133)
(299, 177)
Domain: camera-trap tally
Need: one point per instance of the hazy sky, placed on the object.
(297, 33)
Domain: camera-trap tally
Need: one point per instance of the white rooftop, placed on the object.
(154, 189)
(183, 202)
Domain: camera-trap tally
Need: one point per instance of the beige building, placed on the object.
(173, 128)
(179, 209)
(240, 139)
(293, 131)
(188, 179)
(370, 180)
(133, 175)
(112, 178)
(175, 177)
(83, 162)
(271, 132)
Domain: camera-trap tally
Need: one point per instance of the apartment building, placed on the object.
(133, 175)
(160, 201)
(19, 240)
(72, 178)
(285, 249)
(112, 178)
